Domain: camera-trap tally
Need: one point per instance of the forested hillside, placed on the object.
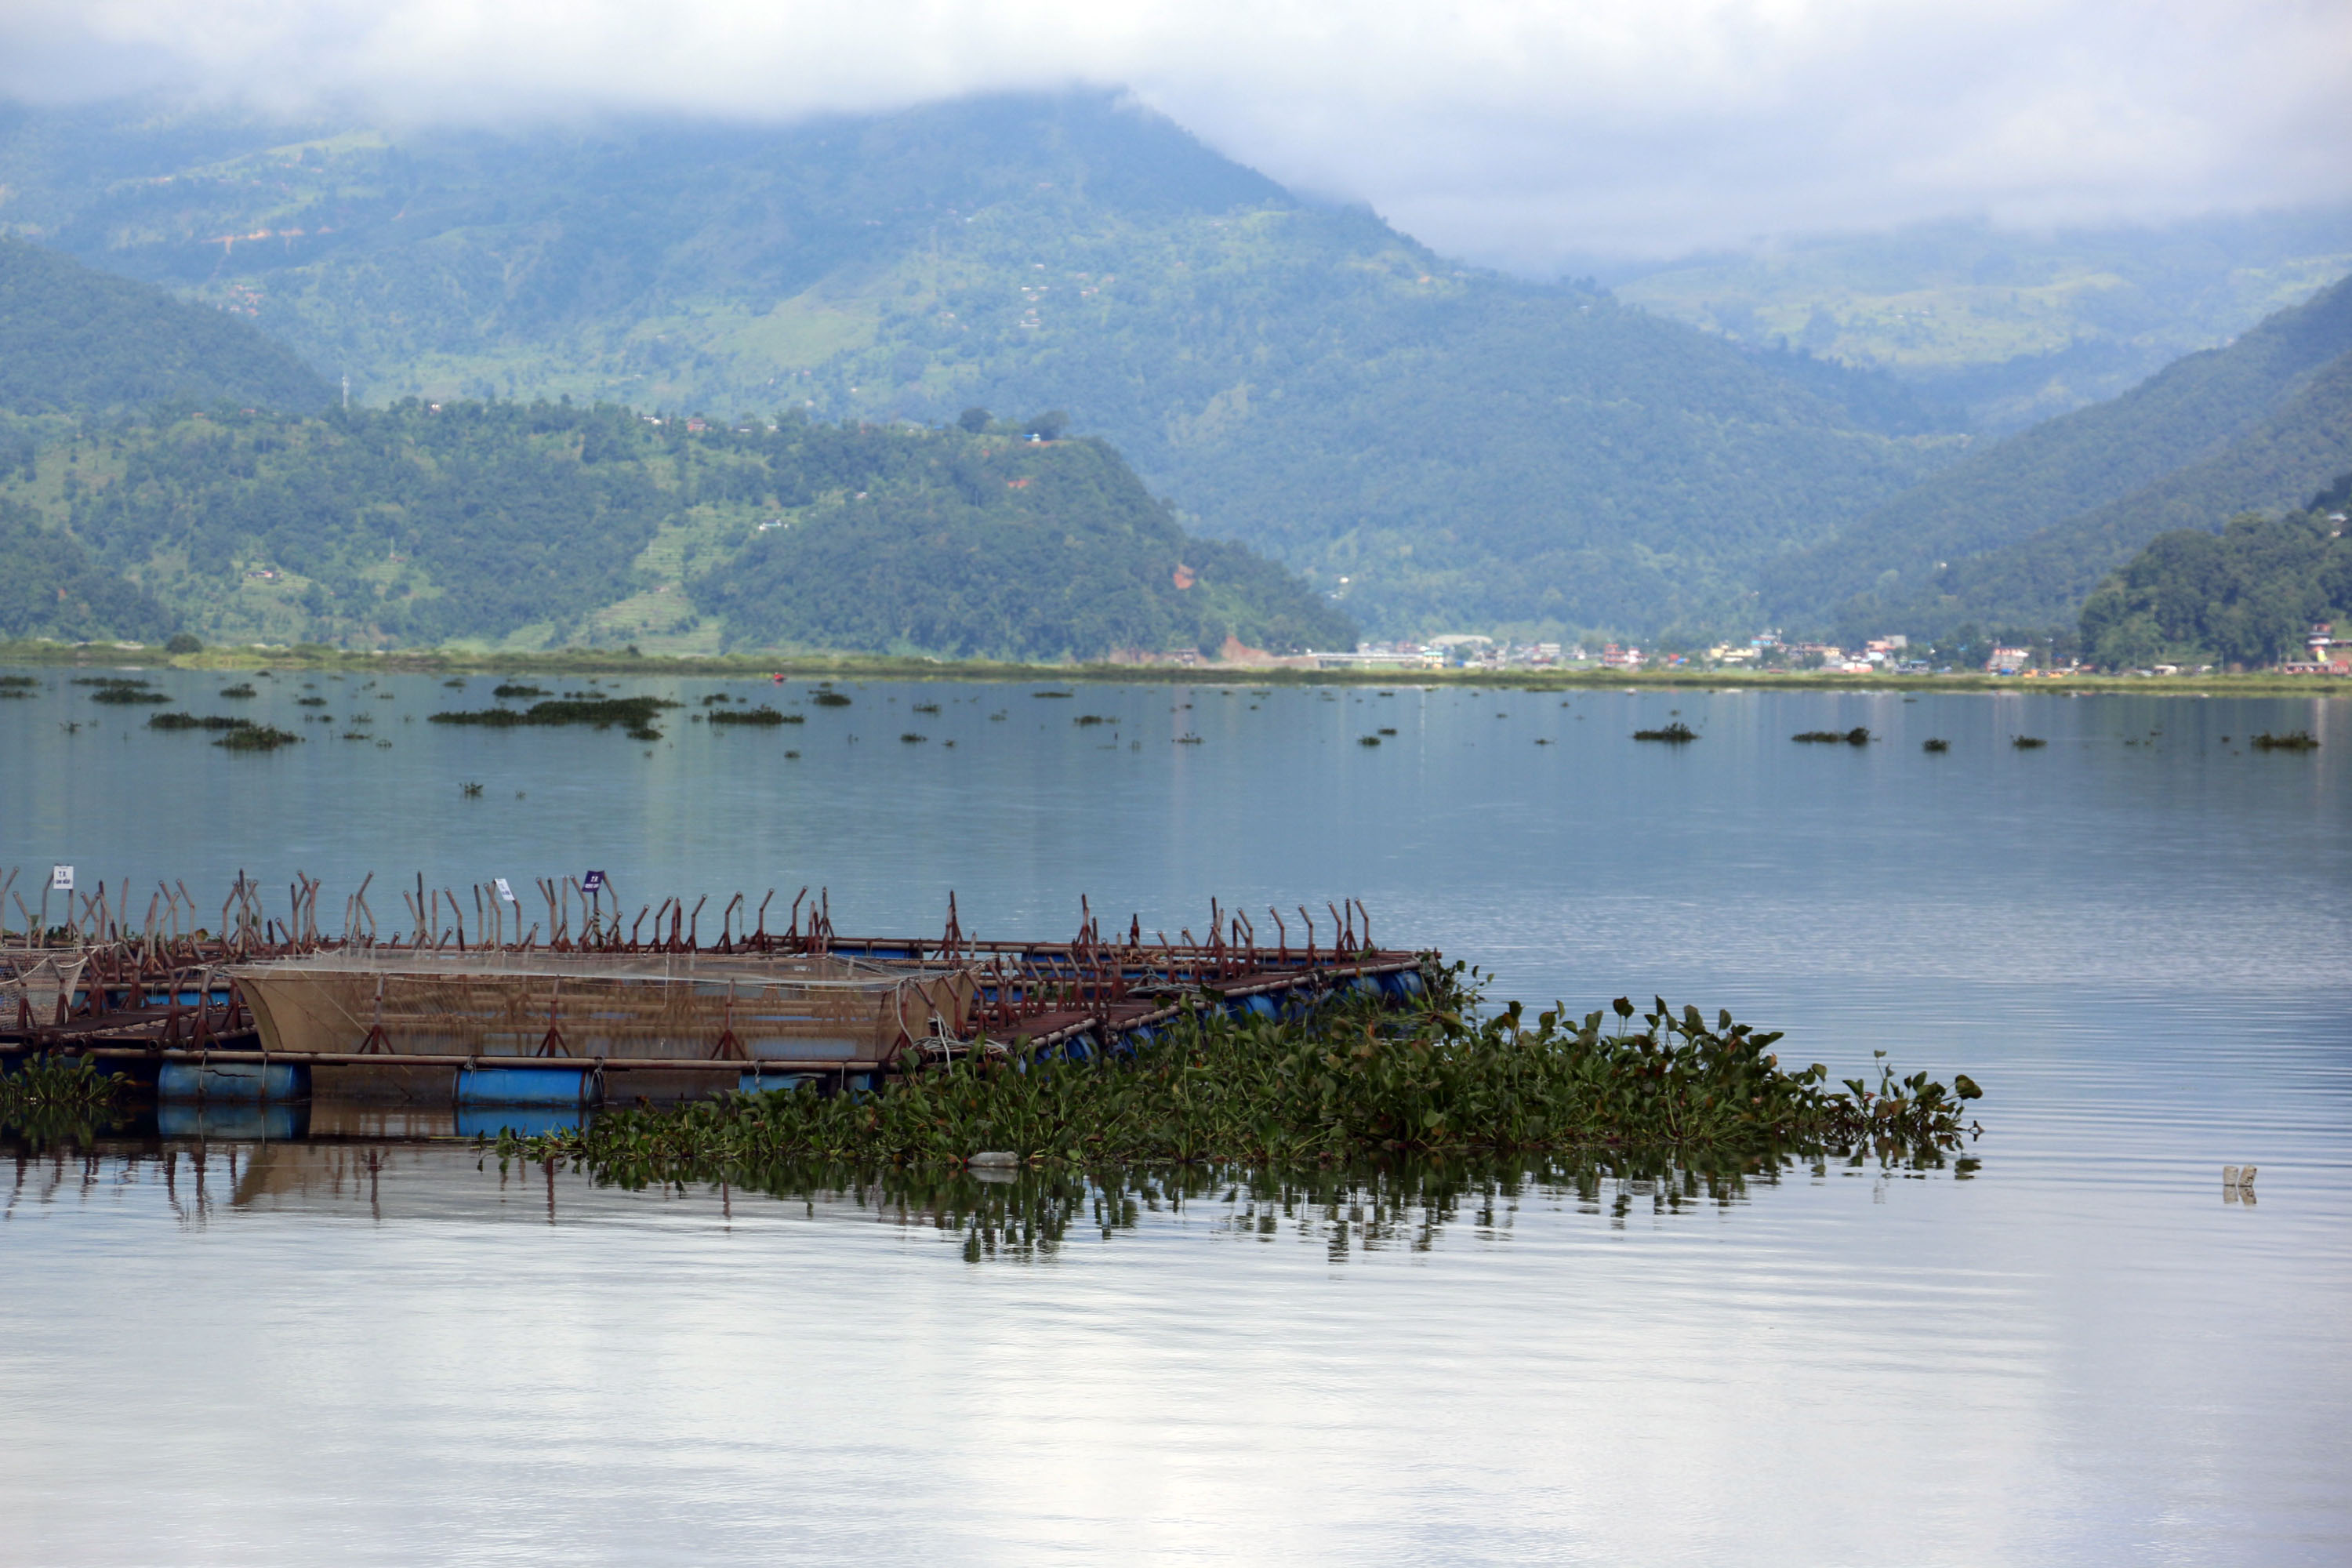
(544, 524)
(1439, 446)
(78, 345)
(73, 339)
(50, 588)
(2016, 533)
(2245, 596)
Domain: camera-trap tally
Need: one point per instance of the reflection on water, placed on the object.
(1023, 1214)
(375, 1346)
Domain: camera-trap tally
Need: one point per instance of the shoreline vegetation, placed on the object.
(865, 666)
(1344, 1084)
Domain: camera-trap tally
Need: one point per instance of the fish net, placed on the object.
(802, 1010)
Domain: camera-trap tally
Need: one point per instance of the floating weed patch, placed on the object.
(1934, 744)
(634, 714)
(517, 689)
(1857, 736)
(125, 696)
(1675, 733)
(190, 721)
(1081, 719)
(59, 1100)
(757, 716)
(2027, 742)
(54, 1083)
(910, 738)
(257, 738)
(237, 693)
(310, 702)
(18, 683)
(1367, 739)
(2293, 741)
(830, 700)
(926, 708)
(1347, 1082)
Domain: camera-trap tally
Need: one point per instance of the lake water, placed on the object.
(2072, 1349)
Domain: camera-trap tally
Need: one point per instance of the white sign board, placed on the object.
(504, 891)
(61, 879)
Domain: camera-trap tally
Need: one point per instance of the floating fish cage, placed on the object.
(241, 1012)
(37, 985)
(817, 1012)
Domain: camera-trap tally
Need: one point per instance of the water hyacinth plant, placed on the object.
(1346, 1082)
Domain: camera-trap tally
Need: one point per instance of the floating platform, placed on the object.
(272, 1011)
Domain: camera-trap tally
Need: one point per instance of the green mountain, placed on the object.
(77, 345)
(77, 341)
(2011, 326)
(545, 525)
(1435, 445)
(2246, 595)
(51, 587)
(2016, 533)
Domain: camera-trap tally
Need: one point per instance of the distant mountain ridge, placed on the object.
(2013, 326)
(2018, 532)
(79, 345)
(535, 525)
(1435, 446)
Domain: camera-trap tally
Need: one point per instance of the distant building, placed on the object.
(2323, 654)
(2008, 661)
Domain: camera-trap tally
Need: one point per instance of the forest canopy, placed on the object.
(2246, 595)
(544, 523)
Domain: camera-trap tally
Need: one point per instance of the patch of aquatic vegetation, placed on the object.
(829, 700)
(1857, 736)
(514, 689)
(262, 738)
(636, 714)
(2293, 741)
(1676, 733)
(121, 692)
(191, 722)
(761, 715)
(52, 1100)
(1345, 1083)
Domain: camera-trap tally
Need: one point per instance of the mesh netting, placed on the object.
(673, 1007)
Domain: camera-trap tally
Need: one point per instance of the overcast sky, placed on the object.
(1507, 131)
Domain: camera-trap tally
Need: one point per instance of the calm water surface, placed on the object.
(2135, 937)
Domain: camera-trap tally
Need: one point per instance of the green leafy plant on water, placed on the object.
(756, 716)
(2027, 742)
(51, 1099)
(1858, 736)
(1676, 732)
(1348, 1082)
(2293, 741)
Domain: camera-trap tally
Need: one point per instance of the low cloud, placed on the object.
(1516, 133)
